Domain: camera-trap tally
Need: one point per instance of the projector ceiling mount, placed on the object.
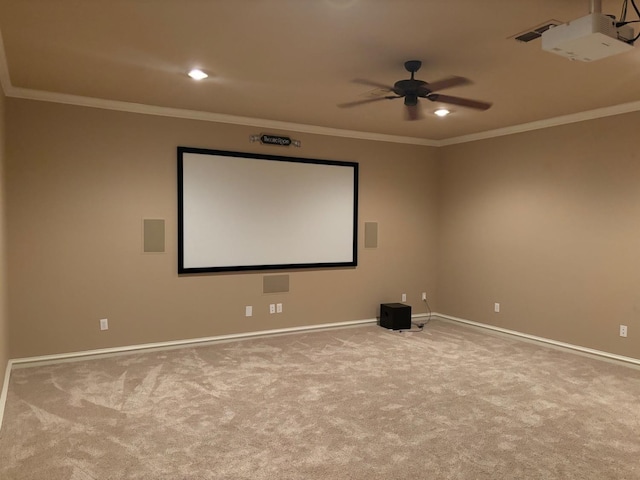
(413, 89)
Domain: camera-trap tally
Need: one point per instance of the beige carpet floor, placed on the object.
(365, 403)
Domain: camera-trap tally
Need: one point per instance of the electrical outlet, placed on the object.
(272, 308)
(279, 308)
(496, 307)
(424, 296)
(623, 330)
(104, 324)
(248, 311)
(404, 297)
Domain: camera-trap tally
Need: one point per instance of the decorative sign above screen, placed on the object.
(275, 140)
(268, 139)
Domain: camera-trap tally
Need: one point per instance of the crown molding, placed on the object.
(547, 123)
(40, 95)
(29, 94)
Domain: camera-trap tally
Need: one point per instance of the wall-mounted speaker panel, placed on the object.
(153, 235)
(371, 235)
(275, 284)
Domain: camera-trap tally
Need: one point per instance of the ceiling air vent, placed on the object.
(535, 32)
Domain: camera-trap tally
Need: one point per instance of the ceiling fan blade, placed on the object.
(370, 83)
(413, 112)
(447, 83)
(463, 102)
(363, 102)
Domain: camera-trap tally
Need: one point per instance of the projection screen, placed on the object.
(240, 211)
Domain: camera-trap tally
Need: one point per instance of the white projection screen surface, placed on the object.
(239, 211)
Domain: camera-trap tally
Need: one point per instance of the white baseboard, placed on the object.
(46, 359)
(58, 358)
(5, 390)
(547, 341)
(71, 356)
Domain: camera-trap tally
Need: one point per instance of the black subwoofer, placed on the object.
(395, 316)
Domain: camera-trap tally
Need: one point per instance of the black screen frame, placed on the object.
(353, 262)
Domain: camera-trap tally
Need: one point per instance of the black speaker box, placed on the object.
(395, 316)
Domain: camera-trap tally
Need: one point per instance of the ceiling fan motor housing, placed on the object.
(410, 87)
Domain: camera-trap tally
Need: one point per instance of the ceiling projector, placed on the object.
(588, 38)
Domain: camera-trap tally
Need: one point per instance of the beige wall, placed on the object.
(544, 222)
(4, 324)
(547, 223)
(81, 180)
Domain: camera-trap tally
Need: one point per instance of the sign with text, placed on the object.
(268, 139)
(275, 140)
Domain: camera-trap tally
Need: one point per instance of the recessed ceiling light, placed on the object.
(197, 74)
(442, 112)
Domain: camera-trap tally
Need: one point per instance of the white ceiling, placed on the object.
(287, 64)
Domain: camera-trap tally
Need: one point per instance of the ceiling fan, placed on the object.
(412, 90)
